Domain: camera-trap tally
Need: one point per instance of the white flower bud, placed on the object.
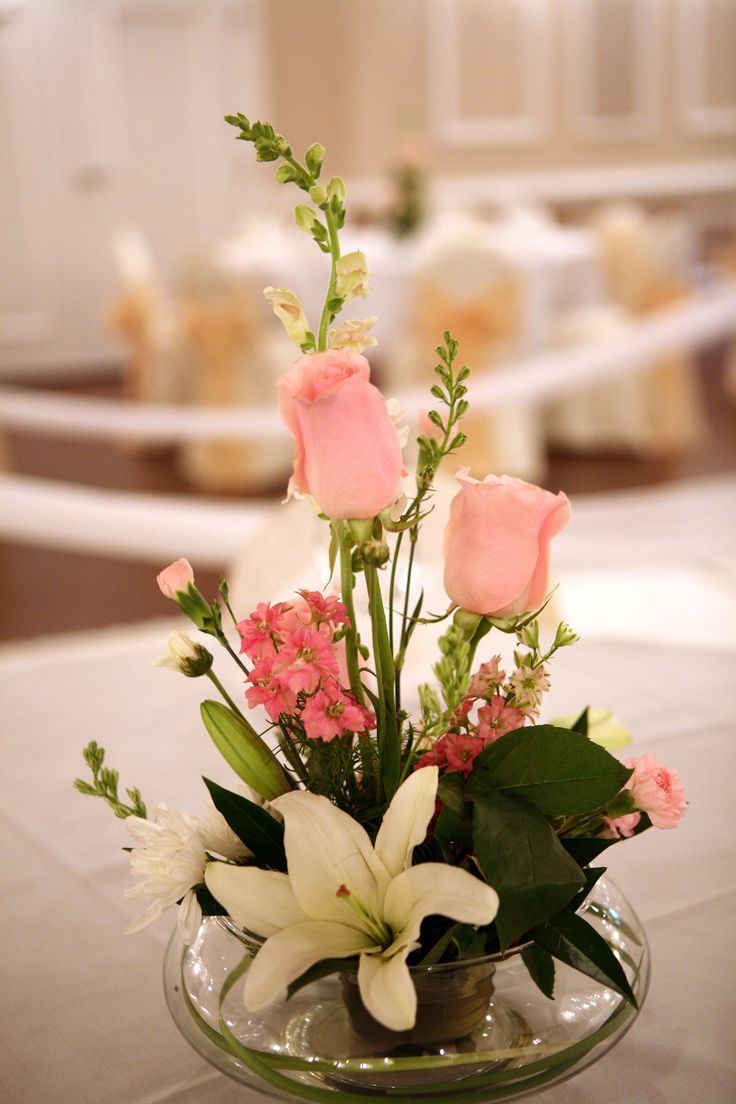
(185, 655)
(352, 276)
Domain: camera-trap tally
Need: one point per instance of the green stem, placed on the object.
(226, 645)
(388, 731)
(216, 682)
(351, 635)
(335, 254)
(392, 588)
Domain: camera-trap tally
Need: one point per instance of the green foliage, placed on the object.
(541, 966)
(453, 669)
(256, 828)
(105, 784)
(520, 855)
(449, 392)
(573, 940)
(560, 772)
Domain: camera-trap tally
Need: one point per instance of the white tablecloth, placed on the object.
(84, 1018)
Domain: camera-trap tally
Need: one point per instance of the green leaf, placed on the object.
(470, 943)
(210, 905)
(541, 966)
(522, 858)
(251, 824)
(559, 771)
(584, 849)
(573, 940)
(581, 724)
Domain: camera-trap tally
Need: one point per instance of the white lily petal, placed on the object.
(434, 888)
(260, 900)
(326, 850)
(147, 917)
(387, 990)
(189, 917)
(404, 824)
(287, 954)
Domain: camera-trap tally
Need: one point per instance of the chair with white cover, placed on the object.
(462, 283)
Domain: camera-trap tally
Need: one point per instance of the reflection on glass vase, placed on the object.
(482, 1026)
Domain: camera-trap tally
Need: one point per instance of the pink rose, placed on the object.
(348, 456)
(657, 791)
(497, 544)
(175, 577)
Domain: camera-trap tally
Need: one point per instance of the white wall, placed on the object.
(110, 115)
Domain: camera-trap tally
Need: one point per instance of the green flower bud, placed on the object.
(244, 750)
(336, 189)
(375, 552)
(314, 157)
(304, 217)
(318, 195)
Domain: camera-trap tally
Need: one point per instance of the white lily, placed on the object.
(344, 896)
(604, 728)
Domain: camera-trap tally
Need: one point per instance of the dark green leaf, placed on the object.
(584, 849)
(469, 942)
(561, 772)
(210, 905)
(581, 724)
(574, 941)
(541, 967)
(251, 824)
(522, 858)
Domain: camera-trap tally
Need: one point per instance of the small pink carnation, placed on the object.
(497, 718)
(307, 655)
(657, 791)
(331, 712)
(486, 679)
(177, 576)
(459, 749)
(619, 827)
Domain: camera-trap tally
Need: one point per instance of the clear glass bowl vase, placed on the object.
(484, 1032)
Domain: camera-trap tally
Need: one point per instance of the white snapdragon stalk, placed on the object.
(351, 276)
(353, 334)
(287, 307)
(171, 857)
(343, 896)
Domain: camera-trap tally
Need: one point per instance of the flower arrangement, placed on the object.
(360, 832)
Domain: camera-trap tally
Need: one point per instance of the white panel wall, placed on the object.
(111, 115)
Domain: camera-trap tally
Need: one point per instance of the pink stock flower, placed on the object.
(306, 655)
(657, 791)
(497, 718)
(619, 827)
(497, 544)
(348, 456)
(269, 691)
(486, 679)
(257, 631)
(459, 750)
(177, 576)
(332, 711)
(325, 608)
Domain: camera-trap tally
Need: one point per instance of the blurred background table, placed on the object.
(84, 1008)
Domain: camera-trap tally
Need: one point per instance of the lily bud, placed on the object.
(289, 309)
(185, 655)
(244, 750)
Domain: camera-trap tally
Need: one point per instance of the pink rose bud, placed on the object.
(657, 791)
(175, 577)
(348, 456)
(497, 544)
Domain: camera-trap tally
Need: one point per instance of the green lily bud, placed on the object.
(244, 750)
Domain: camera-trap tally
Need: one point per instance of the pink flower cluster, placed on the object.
(456, 750)
(297, 665)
